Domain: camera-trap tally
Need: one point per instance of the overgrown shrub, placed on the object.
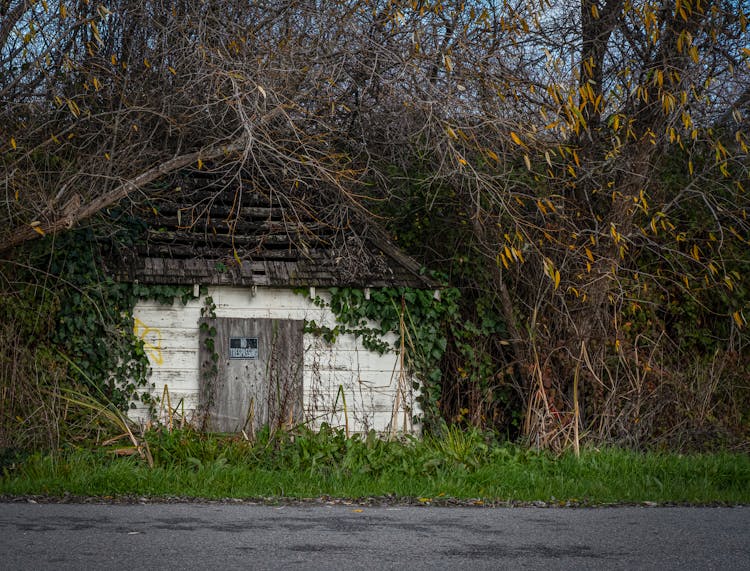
(67, 325)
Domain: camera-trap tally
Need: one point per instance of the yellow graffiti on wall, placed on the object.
(151, 337)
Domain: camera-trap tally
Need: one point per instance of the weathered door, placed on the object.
(259, 374)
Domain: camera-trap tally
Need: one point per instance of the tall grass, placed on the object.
(305, 464)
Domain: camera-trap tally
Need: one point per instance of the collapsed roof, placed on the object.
(204, 230)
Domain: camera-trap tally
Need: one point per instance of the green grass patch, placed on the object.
(462, 465)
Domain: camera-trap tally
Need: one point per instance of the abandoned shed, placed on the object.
(243, 353)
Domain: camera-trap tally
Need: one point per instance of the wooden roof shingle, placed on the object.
(218, 236)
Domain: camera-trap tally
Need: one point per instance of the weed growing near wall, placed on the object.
(463, 464)
(71, 316)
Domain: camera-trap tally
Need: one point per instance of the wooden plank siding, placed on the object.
(369, 381)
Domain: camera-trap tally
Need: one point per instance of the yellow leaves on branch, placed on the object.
(37, 227)
(739, 319)
(721, 151)
(616, 122)
(545, 205)
(737, 235)
(684, 8)
(616, 236)
(728, 282)
(551, 272)
(95, 32)
(641, 201)
(509, 254)
(668, 102)
(517, 140)
(696, 253)
(658, 78)
(740, 137)
(448, 63)
(73, 107)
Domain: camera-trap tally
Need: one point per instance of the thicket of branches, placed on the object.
(578, 168)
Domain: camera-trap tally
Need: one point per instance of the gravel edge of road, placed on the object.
(374, 501)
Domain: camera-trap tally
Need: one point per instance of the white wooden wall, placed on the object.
(370, 382)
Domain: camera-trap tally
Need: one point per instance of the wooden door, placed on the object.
(259, 377)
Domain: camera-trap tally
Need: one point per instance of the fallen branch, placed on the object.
(27, 232)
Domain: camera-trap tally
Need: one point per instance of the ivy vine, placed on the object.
(426, 318)
(90, 312)
(209, 368)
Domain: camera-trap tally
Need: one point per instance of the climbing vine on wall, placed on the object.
(422, 316)
(209, 368)
(90, 312)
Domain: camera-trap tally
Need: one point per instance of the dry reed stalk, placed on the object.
(166, 414)
(402, 385)
(250, 420)
(544, 425)
(346, 411)
(401, 375)
(114, 439)
(142, 448)
(169, 408)
(341, 394)
(576, 408)
(535, 425)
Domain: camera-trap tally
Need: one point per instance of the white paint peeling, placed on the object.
(369, 381)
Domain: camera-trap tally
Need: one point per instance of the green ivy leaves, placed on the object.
(419, 314)
(93, 313)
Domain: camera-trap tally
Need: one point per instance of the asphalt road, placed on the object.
(241, 536)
